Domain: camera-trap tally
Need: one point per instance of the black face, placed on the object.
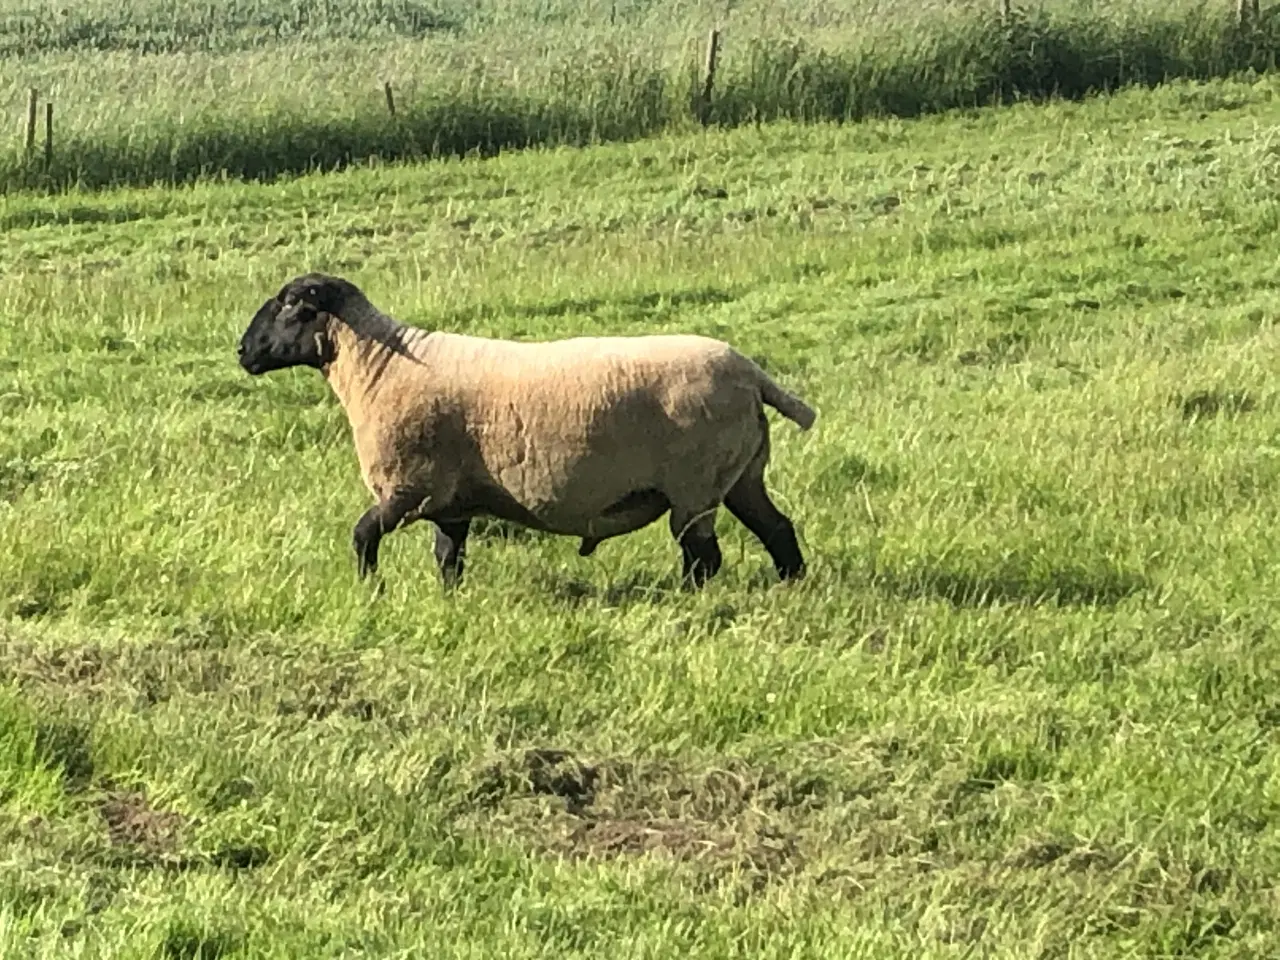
(292, 328)
(285, 335)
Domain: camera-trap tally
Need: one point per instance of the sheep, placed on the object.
(590, 437)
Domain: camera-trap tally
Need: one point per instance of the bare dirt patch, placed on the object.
(141, 834)
(193, 664)
(848, 818)
(133, 823)
(149, 672)
(720, 821)
(761, 852)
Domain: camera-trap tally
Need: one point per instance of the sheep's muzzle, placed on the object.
(248, 362)
(258, 351)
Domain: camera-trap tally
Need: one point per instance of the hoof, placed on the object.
(792, 574)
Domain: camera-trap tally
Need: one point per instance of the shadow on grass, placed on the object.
(1101, 585)
(192, 939)
(67, 745)
(638, 306)
(1204, 404)
(288, 141)
(632, 589)
(28, 217)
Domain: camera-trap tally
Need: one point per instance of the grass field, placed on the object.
(150, 91)
(1025, 705)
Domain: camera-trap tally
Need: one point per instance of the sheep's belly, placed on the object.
(633, 511)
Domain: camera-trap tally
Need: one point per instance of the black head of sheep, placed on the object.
(293, 327)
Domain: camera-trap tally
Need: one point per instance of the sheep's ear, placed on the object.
(298, 312)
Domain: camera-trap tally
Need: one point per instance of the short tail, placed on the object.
(787, 404)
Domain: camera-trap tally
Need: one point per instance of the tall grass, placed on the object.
(171, 26)
(982, 59)
(234, 104)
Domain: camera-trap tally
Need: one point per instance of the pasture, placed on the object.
(1025, 704)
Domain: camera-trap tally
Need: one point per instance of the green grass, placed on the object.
(1025, 705)
(153, 91)
(181, 26)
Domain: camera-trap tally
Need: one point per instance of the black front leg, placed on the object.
(451, 549)
(702, 558)
(375, 523)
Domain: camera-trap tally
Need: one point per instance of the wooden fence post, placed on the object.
(709, 75)
(1247, 12)
(48, 135)
(32, 100)
(391, 101)
(1006, 9)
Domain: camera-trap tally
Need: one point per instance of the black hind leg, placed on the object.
(749, 502)
(451, 549)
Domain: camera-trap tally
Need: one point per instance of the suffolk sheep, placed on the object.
(590, 437)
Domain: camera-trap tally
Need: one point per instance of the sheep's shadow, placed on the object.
(634, 588)
(1103, 585)
(642, 587)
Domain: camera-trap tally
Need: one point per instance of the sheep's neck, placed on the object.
(359, 367)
